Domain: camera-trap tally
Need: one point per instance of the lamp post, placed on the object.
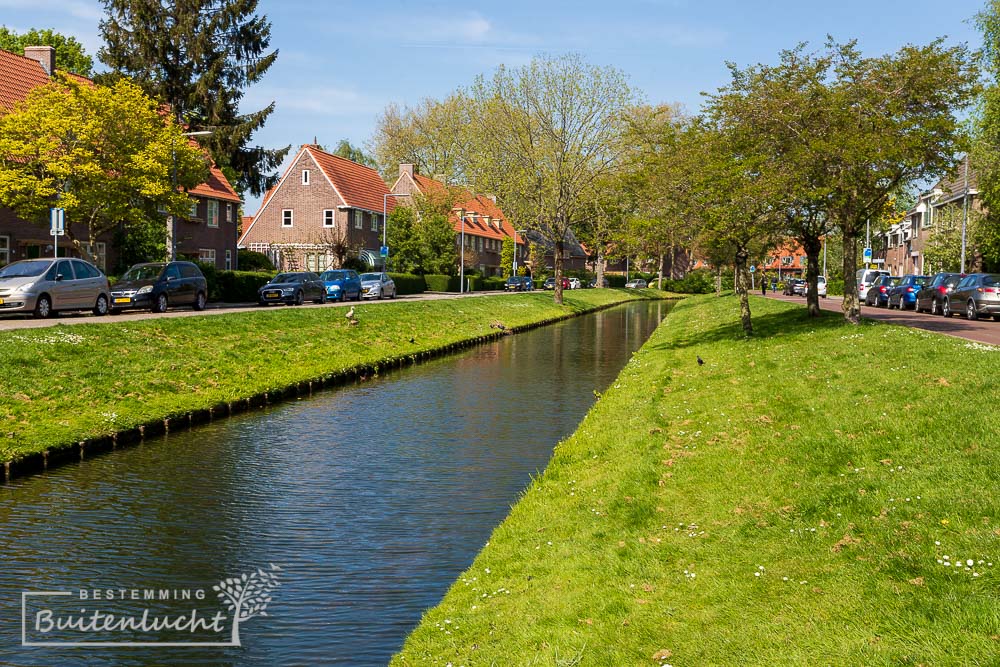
(965, 210)
(385, 224)
(461, 255)
(172, 224)
(516, 232)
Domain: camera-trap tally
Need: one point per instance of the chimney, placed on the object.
(406, 169)
(45, 55)
(492, 198)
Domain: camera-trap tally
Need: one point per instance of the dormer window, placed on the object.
(305, 177)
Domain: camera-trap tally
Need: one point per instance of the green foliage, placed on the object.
(408, 283)
(66, 145)
(439, 282)
(353, 153)
(696, 282)
(251, 260)
(433, 136)
(437, 235)
(507, 257)
(237, 286)
(199, 57)
(406, 253)
(492, 284)
(835, 287)
(140, 241)
(70, 55)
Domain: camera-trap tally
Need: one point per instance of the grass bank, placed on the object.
(67, 384)
(821, 494)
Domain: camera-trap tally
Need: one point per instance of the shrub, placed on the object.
(438, 283)
(615, 280)
(408, 283)
(251, 260)
(492, 284)
(233, 286)
(835, 288)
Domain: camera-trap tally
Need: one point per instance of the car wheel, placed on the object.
(101, 307)
(299, 298)
(935, 307)
(393, 296)
(200, 301)
(970, 310)
(160, 305)
(380, 294)
(321, 300)
(946, 307)
(43, 307)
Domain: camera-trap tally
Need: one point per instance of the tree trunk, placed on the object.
(813, 246)
(718, 281)
(558, 262)
(659, 277)
(852, 305)
(600, 269)
(743, 290)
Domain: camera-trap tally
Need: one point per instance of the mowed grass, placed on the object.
(821, 494)
(64, 384)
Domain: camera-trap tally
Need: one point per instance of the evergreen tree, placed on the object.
(199, 56)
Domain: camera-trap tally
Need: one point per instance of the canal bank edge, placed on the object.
(76, 450)
(762, 508)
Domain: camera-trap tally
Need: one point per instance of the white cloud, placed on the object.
(82, 9)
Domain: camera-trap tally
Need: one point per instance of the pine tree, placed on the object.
(199, 56)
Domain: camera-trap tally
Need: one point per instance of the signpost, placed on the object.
(57, 216)
(866, 256)
(753, 270)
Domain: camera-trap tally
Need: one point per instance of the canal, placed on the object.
(371, 499)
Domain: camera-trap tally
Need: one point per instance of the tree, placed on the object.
(66, 145)
(405, 244)
(985, 154)
(350, 152)
(543, 134)
(70, 56)
(437, 238)
(198, 57)
(247, 596)
(434, 137)
(507, 257)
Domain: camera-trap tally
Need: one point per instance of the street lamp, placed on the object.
(461, 254)
(172, 225)
(385, 225)
(965, 210)
(516, 232)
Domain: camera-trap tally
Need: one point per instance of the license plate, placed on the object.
(1, 302)
(272, 295)
(123, 300)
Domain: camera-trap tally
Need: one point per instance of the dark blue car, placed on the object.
(878, 293)
(904, 294)
(342, 284)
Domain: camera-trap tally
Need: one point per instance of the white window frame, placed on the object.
(206, 255)
(287, 217)
(359, 220)
(229, 212)
(212, 213)
(193, 213)
(374, 222)
(305, 177)
(329, 218)
(4, 249)
(229, 259)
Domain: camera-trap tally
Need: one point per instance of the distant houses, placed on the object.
(208, 233)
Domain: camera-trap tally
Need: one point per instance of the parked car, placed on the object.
(604, 282)
(637, 283)
(377, 286)
(46, 286)
(550, 283)
(515, 284)
(878, 293)
(933, 297)
(529, 284)
(904, 294)
(159, 285)
(791, 285)
(865, 279)
(574, 283)
(341, 284)
(800, 288)
(977, 295)
(821, 286)
(293, 289)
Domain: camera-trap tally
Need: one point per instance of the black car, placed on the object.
(159, 285)
(931, 299)
(293, 288)
(515, 284)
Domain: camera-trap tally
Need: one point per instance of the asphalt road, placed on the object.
(982, 331)
(12, 321)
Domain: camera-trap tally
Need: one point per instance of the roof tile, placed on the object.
(360, 186)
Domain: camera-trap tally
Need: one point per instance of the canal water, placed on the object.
(371, 499)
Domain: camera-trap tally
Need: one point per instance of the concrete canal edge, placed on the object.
(75, 452)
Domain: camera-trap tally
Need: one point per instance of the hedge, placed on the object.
(439, 283)
(408, 283)
(233, 286)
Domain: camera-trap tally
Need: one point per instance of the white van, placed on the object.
(865, 279)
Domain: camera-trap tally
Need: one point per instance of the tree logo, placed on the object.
(247, 596)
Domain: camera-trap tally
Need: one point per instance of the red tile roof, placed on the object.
(475, 207)
(18, 77)
(216, 186)
(359, 186)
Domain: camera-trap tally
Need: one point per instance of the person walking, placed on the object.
(763, 286)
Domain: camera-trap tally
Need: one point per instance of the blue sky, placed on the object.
(340, 63)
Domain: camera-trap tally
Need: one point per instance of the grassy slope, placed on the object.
(64, 384)
(787, 503)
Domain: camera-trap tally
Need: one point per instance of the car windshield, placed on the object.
(371, 276)
(287, 278)
(25, 269)
(143, 272)
(333, 275)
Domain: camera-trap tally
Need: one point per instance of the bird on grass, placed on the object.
(350, 313)
(701, 362)
(411, 339)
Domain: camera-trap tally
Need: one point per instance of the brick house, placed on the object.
(788, 259)
(325, 208)
(208, 234)
(478, 217)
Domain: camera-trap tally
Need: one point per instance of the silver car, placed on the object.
(45, 286)
(377, 286)
(977, 295)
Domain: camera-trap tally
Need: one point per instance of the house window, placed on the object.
(318, 262)
(786, 260)
(4, 250)
(328, 219)
(99, 251)
(374, 222)
(213, 213)
(194, 209)
(358, 220)
(206, 255)
(229, 260)
(305, 177)
(229, 212)
(286, 217)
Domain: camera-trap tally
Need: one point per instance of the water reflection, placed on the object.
(372, 498)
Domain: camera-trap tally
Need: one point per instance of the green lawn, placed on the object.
(65, 384)
(822, 494)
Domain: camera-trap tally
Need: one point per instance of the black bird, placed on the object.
(411, 340)
(701, 362)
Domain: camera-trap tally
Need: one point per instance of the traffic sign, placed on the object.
(384, 251)
(752, 268)
(57, 217)
(867, 256)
